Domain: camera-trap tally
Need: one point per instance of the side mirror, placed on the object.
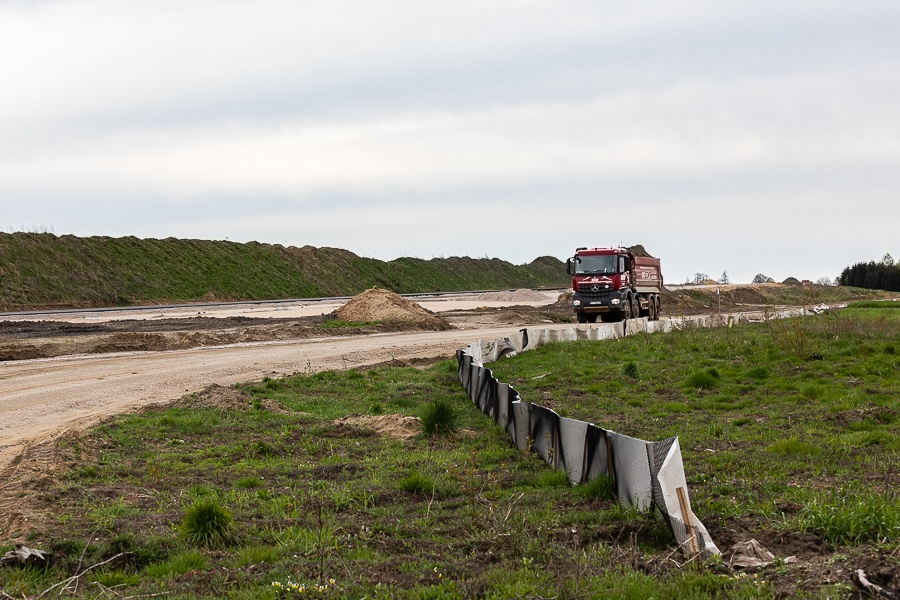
(570, 266)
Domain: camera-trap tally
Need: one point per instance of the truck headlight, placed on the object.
(576, 302)
(614, 301)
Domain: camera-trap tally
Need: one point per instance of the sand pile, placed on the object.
(386, 306)
(396, 426)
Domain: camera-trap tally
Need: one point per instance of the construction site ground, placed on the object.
(62, 373)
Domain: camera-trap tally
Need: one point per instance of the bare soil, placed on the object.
(385, 306)
(399, 427)
(59, 378)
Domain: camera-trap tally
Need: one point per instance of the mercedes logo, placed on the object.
(595, 288)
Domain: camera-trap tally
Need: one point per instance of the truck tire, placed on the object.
(658, 307)
(580, 316)
(651, 307)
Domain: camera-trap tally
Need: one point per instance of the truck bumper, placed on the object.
(613, 302)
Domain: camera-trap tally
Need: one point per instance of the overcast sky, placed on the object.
(744, 137)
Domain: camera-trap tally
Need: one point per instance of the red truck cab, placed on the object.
(614, 284)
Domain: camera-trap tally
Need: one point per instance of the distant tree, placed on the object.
(824, 281)
(760, 278)
(872, 275)
(700, 277)
(888, 260)
(724, 278)
(891, 280)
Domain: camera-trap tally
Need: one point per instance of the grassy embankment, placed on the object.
(789, 431)
(48, 271)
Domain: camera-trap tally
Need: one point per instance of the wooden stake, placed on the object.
(688, 520)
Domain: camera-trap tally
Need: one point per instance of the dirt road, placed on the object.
(40, 399)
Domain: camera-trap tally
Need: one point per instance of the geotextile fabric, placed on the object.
(647, 474)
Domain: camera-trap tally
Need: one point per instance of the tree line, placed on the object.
(884, 275)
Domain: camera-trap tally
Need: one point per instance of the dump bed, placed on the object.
(647, 275)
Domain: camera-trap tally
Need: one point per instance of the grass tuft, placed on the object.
(206, 523)
(702, 380)
(439, 418)
(603, 487)
(551, 479)
(417, 483)
(263, 449)
(758, 373)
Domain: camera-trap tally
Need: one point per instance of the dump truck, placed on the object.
(614, 284)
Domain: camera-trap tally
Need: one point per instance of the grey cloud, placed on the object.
(249, 120)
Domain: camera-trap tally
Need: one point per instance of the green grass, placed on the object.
(313, 501)
(45, 270)
(851, 517)
(879, 304)
(206, 522)
(178, 564)
(702, 380)
(439, 418)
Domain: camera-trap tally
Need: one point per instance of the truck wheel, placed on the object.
(629, 309)
(582, 318)
(651, 307)
(658, 307)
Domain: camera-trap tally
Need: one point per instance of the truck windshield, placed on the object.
(596, 263)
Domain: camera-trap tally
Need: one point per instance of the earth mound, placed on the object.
(395, 426)
(226, 398)
(384, 305)
(639, 250)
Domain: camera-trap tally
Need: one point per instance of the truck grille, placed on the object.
(586, 291)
